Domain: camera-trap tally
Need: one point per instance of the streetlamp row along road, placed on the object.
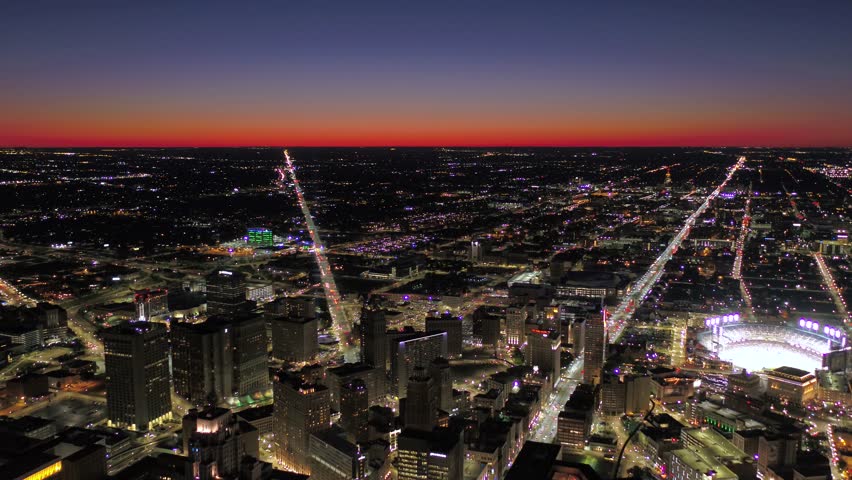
(618, 319)
(339, 325)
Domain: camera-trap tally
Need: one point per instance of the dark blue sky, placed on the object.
(464, 72)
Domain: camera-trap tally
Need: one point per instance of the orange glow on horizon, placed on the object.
(207, 129)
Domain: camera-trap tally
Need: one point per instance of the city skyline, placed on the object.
(613, 74)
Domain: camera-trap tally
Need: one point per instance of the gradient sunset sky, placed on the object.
(290, 72)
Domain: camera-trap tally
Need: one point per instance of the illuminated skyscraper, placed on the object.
(261, 237)
(433, 455)
(374, 380)
(294, 339)
(226, 293)
(220, 358)
(202, 362)
(476, 250)
(333, 457)
(516, 320)
(136, 358)
(452, 324)
(594, 350)
(544, 350)
(300, 408)
(412, 350)
(218, 445)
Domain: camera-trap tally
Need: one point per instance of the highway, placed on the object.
(544, 429)
(340, 326)
(829, 282)
(619, 318)
(13, 295)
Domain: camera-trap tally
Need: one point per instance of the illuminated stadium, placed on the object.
(758, 346)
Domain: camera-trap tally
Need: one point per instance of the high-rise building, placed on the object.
(333, 457)
(261, 237)
(637, 394)
(594, 350)
(578, 336)
(373, 378)
(613, 393)
(374, 343)
(433, 455)
(441, 374)
(219, 359)
(476, 250)
(490, 331)
(251, 372)
(202, 362)
(300, 409)
(299, 307)
(294, 339)
(516, 320)
(355, 409)
(218, 445)
(411, 350)
(451, 324)
(136, 358)
(226, 293)
(575, 421)
(420, 407)
(544, 350)
(150, 303)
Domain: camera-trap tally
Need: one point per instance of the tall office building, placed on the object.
(136, 358)
(411, 350)
(251, 372)
(421, 410)
(594, 350)
(202, 362)
(544, 350)
(300, 409)
(516, 321)
(575, 421)
(434, 455)
(226, 293)
(441, 374)
(294, 339)
(301, 307)
(218, 445)
(219, 359)
(333, 457)
(476, 250)
(613, 393)
(374, 343)
(373, 378)
(451, 324)
(355, 409)
(150, 303)
(637, 395)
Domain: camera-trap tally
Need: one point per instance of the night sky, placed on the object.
(289, 72)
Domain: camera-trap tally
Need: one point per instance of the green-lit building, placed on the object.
(261, 237)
